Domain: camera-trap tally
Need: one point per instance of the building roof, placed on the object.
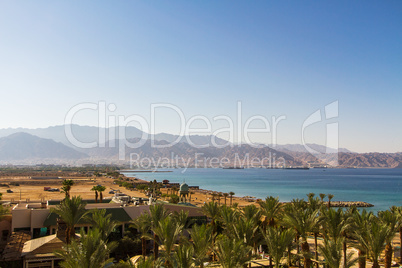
(118, 214)
(15, 244)
(42, 245)
(184, 187)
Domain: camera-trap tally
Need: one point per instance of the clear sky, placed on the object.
(277, 58)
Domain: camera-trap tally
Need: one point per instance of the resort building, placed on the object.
(36, 222)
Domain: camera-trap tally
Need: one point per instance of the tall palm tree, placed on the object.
(212, 211)
(336, 226)
(251, 212)
(303, 222)
(247, 231)
(219, 195)
(231, 194)
(398, 211)
(322, 196)
(331, 251)
(71, 211)
(143, 224)
(272, 210)
(228, 216)
(95, 189)
(330, 196)
(90, 252)
(278, 241)
(158, 213)
(101, 221)
(101, 189)
(225, 195)
(184, 256)
(374, 239)
(66, 187)
(359, 225)
(232, 253)
(181, 217)
(168, 232)
(390, 219)
(213, 196)
(315, 204)
(202, 237)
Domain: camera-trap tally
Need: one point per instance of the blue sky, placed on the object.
(278, 58)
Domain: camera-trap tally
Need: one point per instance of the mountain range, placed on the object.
(50, 146)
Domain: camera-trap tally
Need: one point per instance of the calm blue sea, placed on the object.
(380, 187)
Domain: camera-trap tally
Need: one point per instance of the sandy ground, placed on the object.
(34, 189)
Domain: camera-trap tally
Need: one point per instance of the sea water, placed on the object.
(380, 187)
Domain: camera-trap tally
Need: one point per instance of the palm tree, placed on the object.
(390, 219)
(143, 224)
(101, 189)
(246, 227)
(271, 209)
(71, 211)
(202, 237)
(330, 196)
(213, 196)
(336, 225)
(181, 217)
(228, 216)
(184, 256)
(278, 241)
(168, 231)
(315, 204)
(331, 251)
(303, 222)
(90, 252)
(158, 213)
(322, 196)
(251, 212)
(225, 195)
(359, 226)
(231, 196)
(219, 198)
(212, 211)
(95, 188)
(373, 239)
(246, 230)
(101, 221)
(66, 188)
(148, 263)
(232, 253)
(398, 211)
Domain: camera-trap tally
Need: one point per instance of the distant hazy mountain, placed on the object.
(50, 144)
(185, 151)
(88, 134)
(302, 149)
(393, 160)
(23, 146)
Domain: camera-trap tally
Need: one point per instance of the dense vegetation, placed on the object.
(234, 236)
